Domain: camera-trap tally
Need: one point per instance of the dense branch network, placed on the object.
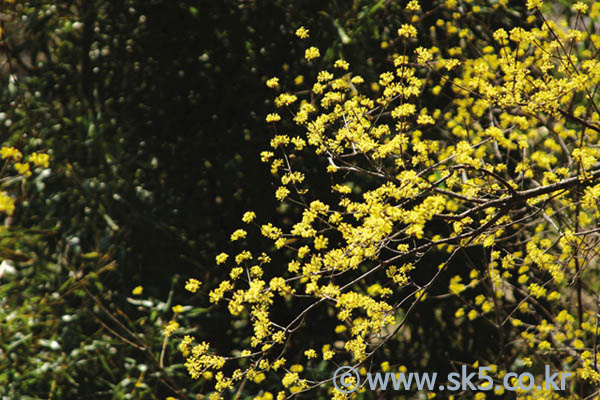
(507, 167)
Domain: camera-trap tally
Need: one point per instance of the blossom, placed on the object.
(273, 83)
(408, 31)
(310, 353)
(413, 5)
(424, 119)
(281, 193)
(192, 285)
(248, 217)
(302, 33)
(311, 53)
(23, 169)
(39, 159)
(185, 345)
(423, 55)
(580, 7)
(7, 203)
(221, 258)
(342, 64)
(11, 152)
(177, 309)
(324, 76)
(273, 117)
(238, 234)
(171, 327)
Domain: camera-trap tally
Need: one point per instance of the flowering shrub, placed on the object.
(463, 184)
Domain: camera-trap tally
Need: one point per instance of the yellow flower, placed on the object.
(413, 5)
(10, 152)
(236, 272)
(424, 119)
(221, 258)
(324, 76)
(500, 35)
(39, 159)
(285, 99)
(310, 353)
(289, 379)
(258, 378)
(244, 255)
(23, 169)
(7, 203)
(273, 117)
(456, 286)
(328, 354)
(185, 344)
(192, 285)
(311, 53)
(450, 63)
(423, 55)
(296, 368)
(281, 193)
(137, 290)
(403, 110)
(341, 64)
(270, 231)
(408, 31)
(340, 329)
(177, 309)
(265, 156)
(248, 217)
(554, 296)
(580, 7)
(280, 140)
(238, 234)
(171, 327)
(302, 33)
(486, 306)
(273, 83)
(357, 80)
(536, 290)
(321, 242)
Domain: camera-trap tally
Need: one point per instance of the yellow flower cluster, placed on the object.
(10, 153)
(170, 328)
(40, 159)
(507, 168)
(312, 53)
(192, 285)
(302, 33)
(407, 31)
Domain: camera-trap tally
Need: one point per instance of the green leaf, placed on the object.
(196, 311)
(91, 254)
